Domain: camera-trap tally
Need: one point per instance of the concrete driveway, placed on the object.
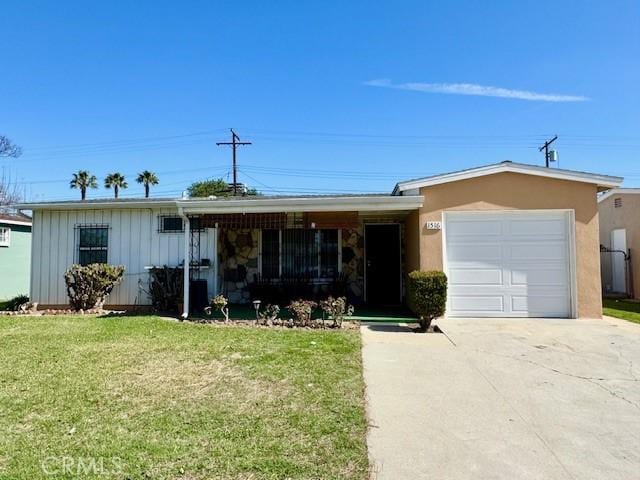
(512, 399)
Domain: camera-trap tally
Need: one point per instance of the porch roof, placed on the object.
(266, 204)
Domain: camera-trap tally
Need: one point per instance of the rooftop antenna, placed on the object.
(549, 155)
(235, 142)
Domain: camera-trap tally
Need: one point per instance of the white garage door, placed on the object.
(508, 264)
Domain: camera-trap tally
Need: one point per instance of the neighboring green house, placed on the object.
(15, 255)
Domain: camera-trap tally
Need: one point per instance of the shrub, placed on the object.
(336, 309)
(269, 314)
(16, 303)
(166, 289)
(427, 295)
(301, 311)
(89, 286)
(220, 302)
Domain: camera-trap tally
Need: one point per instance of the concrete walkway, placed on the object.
(512, 399)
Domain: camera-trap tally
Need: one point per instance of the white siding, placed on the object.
(134, 241)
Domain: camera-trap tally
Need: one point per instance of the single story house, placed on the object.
(15, 255)
(515, 240)
(620, 241)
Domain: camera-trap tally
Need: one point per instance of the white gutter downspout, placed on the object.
(187, 261)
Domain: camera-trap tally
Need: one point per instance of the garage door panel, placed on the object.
(477, 304)
(539, 306)
(475, 276)
(485, 228)
(540, 276)
(508, 264)
(464, 252)
(538, 251)
(534, 226)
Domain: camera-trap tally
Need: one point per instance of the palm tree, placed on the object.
(83, 180)
(115, 180)
(147, 178)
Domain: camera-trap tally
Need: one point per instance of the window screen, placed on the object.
(93, 243)
(271, 253)
(300, 253)
(328, 253)
(169, 224)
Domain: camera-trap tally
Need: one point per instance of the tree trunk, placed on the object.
(115, 191)
(83, 193)
(146, 190)
(425, 323)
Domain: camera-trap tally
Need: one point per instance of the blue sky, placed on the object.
(335, 96)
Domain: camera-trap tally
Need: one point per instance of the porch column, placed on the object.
(187, 261)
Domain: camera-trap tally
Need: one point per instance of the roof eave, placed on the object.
(618, 191)
(15, 222)
(602, 181)
(261, 205)
(335, 204)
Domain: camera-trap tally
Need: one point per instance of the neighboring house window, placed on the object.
(296, 252)
(5, 236)
(617, 202)
(174, 224)
(93, 244)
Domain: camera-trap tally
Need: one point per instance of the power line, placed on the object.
(127, 141)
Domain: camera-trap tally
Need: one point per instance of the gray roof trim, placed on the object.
(605, 181)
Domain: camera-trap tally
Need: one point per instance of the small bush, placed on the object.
(16, 303)
(427, 295)
(166, 290)
(269, 315)
(89, 286)
(336, 309)
(220, 302)
(301, 311)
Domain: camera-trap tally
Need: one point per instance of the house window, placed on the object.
(5, 236)
(170, 224)
(93, 243)
(174, 224)
(617, 202)
(296, 252)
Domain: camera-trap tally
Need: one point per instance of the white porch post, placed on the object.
(187, 261)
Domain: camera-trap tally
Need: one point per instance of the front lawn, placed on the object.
(145, 397)
(622, 309)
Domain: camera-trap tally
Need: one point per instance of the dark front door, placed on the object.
(382, 257)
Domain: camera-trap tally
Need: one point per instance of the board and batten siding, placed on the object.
(134, 241)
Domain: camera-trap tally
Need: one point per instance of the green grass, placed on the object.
(150, 398)
(624, 309)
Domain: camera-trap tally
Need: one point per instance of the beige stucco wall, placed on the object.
(626, 217)
(506, 191)
(412, 242)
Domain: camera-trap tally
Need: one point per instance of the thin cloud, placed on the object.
(477, 90)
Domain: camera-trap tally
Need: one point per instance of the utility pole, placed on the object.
(235, 142)
(545, 147)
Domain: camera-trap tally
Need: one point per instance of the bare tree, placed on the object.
(10, 191)
(8, 148)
